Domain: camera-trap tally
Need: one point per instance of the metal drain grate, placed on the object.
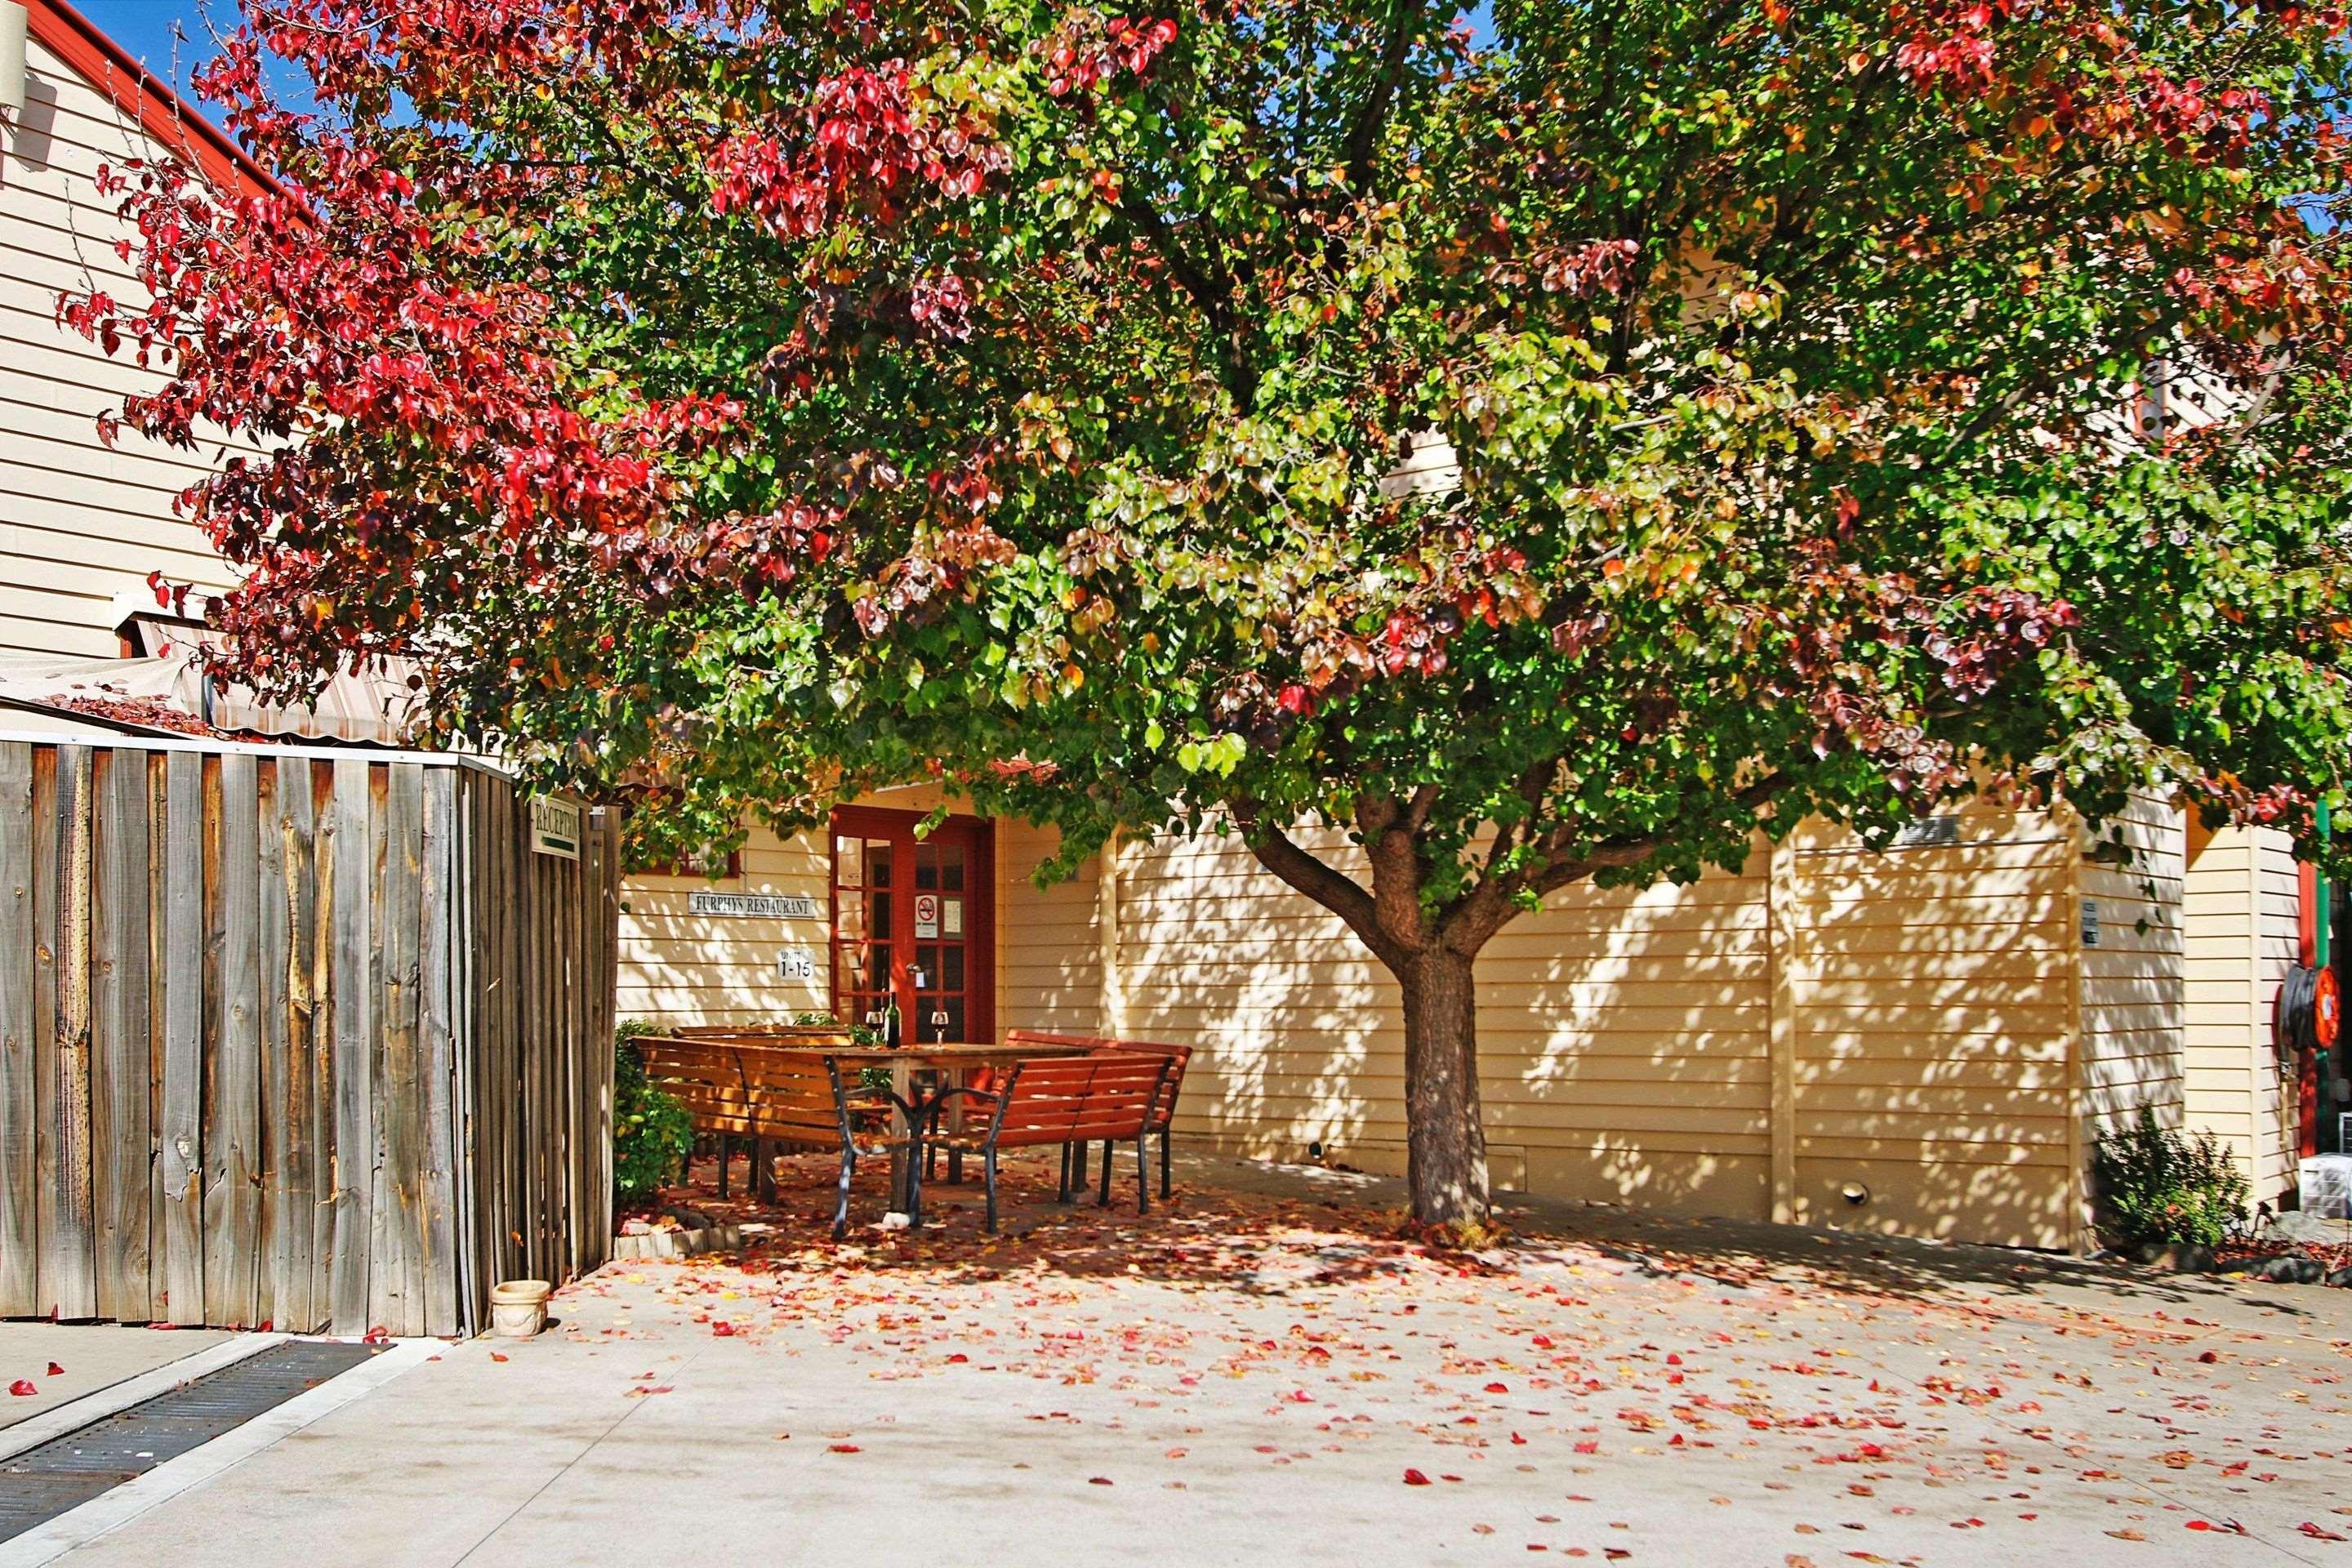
(65, 1472)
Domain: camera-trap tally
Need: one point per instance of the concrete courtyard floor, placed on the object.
(1270, 1370)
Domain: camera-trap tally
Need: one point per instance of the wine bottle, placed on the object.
(891, 1035)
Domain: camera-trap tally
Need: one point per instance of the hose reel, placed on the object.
(2308, 1015)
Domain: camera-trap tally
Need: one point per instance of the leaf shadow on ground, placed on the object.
(1266, 1231)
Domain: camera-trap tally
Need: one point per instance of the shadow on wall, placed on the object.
(1626, 1038)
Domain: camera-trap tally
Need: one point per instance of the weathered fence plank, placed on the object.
(395, 1271)
(121, 1047)
(289, 908)
(318, 943)
(436, 1056)
(354, 1066)
(273, 937)
(465, 1218)
(19, 1182)
(67, 1259)
(159, 831)
(500, 1095)
(181, 972)
(233, 1096)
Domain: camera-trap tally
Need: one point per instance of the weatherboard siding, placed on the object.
(2239, 908)
(80, 522)
(1940, 1040)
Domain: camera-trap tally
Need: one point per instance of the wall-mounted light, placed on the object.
(14, 18)
(1854, 1192)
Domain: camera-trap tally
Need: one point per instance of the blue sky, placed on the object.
(144, 28)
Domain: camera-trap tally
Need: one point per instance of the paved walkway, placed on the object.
(1266, 1374)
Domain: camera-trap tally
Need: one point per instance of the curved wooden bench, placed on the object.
(1072, 1101)
(737, 1085)
(1163, 1110)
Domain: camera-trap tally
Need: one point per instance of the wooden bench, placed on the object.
(1068, 1101)
(737, 1085)
(1163, 1110)
(823, 1036)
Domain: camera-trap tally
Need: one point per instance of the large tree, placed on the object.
(1857, 406)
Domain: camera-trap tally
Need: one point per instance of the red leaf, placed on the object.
(957, 1359)
(1588, 1447)
(2209, 1358)
(1098, 1480)
(498, 1355)
(1498, 1388)
(1412, 1478)
(844, 1447)
(55, 1371)
(23, 1385)
(2317, 1534)
(724, 1329)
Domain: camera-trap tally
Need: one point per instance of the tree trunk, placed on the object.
(1445, 1135)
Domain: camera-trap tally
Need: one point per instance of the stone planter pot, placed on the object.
(519, 1308)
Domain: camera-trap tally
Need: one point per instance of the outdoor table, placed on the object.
(914, 1104)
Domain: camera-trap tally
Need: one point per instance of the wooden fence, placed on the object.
(309, 1039)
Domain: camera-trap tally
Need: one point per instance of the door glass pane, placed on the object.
(863, 951)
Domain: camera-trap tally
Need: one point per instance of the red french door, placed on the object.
(914, 920)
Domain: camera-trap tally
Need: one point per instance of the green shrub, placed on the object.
(651, 1129)
(2157, 1185)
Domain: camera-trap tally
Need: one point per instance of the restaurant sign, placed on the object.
(757, 906)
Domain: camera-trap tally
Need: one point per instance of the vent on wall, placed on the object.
(14, 19)
(1927, 832)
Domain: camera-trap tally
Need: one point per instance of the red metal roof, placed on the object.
(162, 113)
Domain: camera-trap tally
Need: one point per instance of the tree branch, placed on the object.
(1393, 839)
(1333, 890)
(1212, 291)
(1364, 136)
(1490, 906)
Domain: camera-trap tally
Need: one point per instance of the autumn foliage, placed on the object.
(1853, 406)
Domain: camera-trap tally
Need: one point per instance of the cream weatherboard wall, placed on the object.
(1924, 1028)
(2240, 914)
(79, 522)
